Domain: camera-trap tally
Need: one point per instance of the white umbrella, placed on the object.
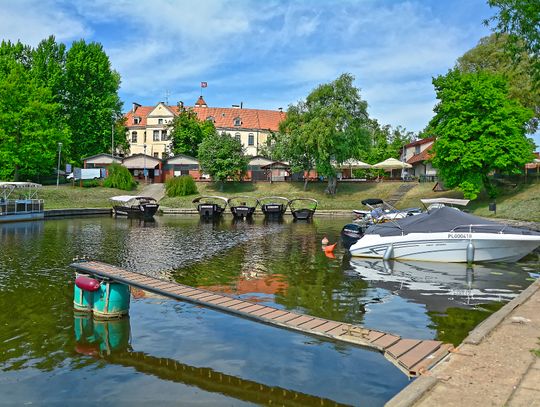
(392, 164)
(353, 163)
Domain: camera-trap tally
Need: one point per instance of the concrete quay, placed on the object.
(494, 366)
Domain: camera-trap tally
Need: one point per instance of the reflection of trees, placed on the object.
(455, 324)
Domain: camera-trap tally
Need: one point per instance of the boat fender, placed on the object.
(389, 253)
(330, 248)
(470, 252)
(87, 283)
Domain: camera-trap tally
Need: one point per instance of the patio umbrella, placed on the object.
(356, 164)
(392, 164)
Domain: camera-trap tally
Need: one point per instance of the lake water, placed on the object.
(170, 352)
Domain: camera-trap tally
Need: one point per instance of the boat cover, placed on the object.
(443, 219)
(127, 198)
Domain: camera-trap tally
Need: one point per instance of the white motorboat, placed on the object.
(381, 211)
(445, 235)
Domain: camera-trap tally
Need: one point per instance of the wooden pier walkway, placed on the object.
(412, 356)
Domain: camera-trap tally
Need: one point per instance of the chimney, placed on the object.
(280, 109)
(241, 105)
(235, 106)
(181, 105)
(135, 106)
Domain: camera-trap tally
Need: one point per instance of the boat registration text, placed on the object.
(459, 236)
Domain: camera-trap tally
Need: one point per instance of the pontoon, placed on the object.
(134, 206)
(445, 235)
(210, 206)
(18, 201)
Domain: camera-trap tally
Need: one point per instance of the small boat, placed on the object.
(303, 208)
(18, 202)
(210, 206)
(134, 206)
(445, 235)
(274, 206)
(243, 206)
(381, 211)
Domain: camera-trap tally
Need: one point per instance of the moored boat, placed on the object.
(19, 202)
(380, 211)
(243, 206)
(445, 235)
(134, 206)
(210, 206)
(274, 206)
(303, 208)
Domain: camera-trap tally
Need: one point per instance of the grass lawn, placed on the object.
(67, 196)
(521, 202)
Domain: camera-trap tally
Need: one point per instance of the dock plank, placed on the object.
(411, 355)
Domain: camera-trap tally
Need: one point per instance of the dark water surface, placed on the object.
(169, 352)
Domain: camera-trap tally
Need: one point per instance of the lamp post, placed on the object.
(58, 166)
(144, 171)
(112, 138)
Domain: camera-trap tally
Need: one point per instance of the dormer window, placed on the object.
(210, 119)
(237, 122)
(136, 120)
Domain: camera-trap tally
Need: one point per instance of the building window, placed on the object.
(417, 149)
(237, 136)
(165, 155)
(133, 136)
(237, 122)
(251, 139)
(136, 120)
(164, 136)
(160, 121)
(156, 155)
(156, 135)
(210, 119)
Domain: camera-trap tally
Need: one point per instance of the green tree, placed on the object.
(119, 177)
(187, 132)
(48, 66)
(91, 100)
(29, 127)
(222, 157)
(330, 127)
(521, 20)
(479, 130)
(490, 55)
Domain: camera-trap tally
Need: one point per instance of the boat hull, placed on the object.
(137, 211)
(303, 214)
(273, 209)
(447, 247)
(209, 210)
(241, 212)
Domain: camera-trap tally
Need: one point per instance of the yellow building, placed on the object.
(148, 131)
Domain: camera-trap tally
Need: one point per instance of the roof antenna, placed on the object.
(167, 94)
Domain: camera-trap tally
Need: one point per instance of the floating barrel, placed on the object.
(112, 335)
(83, 294)
(111, 300)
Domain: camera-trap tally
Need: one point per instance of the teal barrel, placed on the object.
(111, 300)
(84, 327)
(83, 293)
(113, 335)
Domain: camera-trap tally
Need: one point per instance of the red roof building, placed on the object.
(418, 153)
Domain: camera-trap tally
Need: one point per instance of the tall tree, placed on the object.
(479, 130)
(187, 132)
(521, 20)
(222, 157)
(490, 55)
(387, 141)
(330, 127)
(29, 127)
(48, 66)
(91, 101)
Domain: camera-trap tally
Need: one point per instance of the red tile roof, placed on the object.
(224, 117)
(422, 156)
(420, 142)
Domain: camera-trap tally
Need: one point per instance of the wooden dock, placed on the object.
(412, 356)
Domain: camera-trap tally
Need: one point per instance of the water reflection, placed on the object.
(110, 341)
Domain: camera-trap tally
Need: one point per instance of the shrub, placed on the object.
(181, 186)
(119, 177)
(90, 183)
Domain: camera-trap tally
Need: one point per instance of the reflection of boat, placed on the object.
(445, 235)
(134, 206)
(274, 206)
(210, 206)
(381, 211)
(440, 285)
(18, 201)
(243, 206)
(303, 208)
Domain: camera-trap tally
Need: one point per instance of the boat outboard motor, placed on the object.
(351, 233)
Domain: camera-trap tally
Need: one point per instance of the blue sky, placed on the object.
(266, 54)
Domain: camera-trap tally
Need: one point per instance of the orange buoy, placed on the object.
(330, 248)
(324, 241)
(330, 255)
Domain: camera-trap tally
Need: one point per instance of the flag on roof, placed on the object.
(204, 84)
